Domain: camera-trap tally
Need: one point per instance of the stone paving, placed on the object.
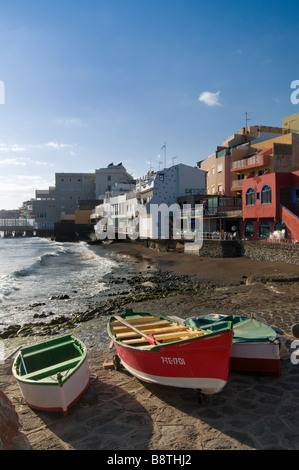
(118, 412)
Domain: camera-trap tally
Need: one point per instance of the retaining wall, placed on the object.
(258, 250)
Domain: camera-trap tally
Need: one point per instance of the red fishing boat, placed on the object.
(160, 350)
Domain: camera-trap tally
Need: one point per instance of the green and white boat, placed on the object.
(54, 374)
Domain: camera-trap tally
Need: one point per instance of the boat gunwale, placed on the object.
(49, 380)
(157, 347)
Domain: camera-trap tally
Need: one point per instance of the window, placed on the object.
(219, 168)
(266, 195)
(109, 177)
(219, 188)
(161, 177)
(249, 229)
(264, 230)
(250, 197)
(296, 196)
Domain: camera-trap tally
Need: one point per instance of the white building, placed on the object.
(136, 213)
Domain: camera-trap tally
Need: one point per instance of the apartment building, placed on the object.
(70, 189)
(279, 154)
(107, 178)
(44, 208)
(254, 150)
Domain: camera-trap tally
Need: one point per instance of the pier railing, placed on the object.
(17, 224)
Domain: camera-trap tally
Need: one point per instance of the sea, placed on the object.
(34, 272)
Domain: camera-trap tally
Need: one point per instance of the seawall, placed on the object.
(257, 250)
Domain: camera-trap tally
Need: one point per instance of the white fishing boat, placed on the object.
(54, 374)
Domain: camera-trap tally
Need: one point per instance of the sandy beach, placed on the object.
(121, 413)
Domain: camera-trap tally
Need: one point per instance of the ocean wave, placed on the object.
(40, 261)
(7, 287)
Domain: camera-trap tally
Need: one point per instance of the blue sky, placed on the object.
(88, 82)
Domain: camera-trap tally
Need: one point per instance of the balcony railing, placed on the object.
(251, 162)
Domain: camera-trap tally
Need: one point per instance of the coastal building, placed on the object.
(291, 123)
(220, 213)
(245, 154)
(70, 189)
(44, 208)
(279, 154)
(107, 178)
(271, 206)
(133, 210)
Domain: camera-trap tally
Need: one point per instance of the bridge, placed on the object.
(18, 226)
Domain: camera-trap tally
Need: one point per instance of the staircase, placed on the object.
(291, 218)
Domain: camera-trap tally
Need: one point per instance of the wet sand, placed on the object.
(214, 270)
(119, 412)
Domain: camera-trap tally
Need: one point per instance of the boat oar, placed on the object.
(149, 338)
(22, 359)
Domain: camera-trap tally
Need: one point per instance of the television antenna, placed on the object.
(164, 147)
(247, 119)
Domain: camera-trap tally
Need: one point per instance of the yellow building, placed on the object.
(291, 123)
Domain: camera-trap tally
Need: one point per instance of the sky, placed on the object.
(87, 83)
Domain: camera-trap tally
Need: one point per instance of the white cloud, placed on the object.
(55, 145)
(71, 122)
(14, 190)
(12, 161)
(209, 98)
(11, 148)
(22, 161)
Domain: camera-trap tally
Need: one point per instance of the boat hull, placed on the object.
(201, 363)
(54, 374)
(256, 357)
(54, 397)
(255, 348)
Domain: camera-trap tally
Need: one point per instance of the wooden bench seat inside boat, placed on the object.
(133, 331)
(135, 320)
(167, 337)
(177, 330)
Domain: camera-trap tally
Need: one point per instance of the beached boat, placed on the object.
(54, 374)
(160, 350)
(256, 347)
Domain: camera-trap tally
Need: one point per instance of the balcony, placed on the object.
(236, 185)
(261, 159)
